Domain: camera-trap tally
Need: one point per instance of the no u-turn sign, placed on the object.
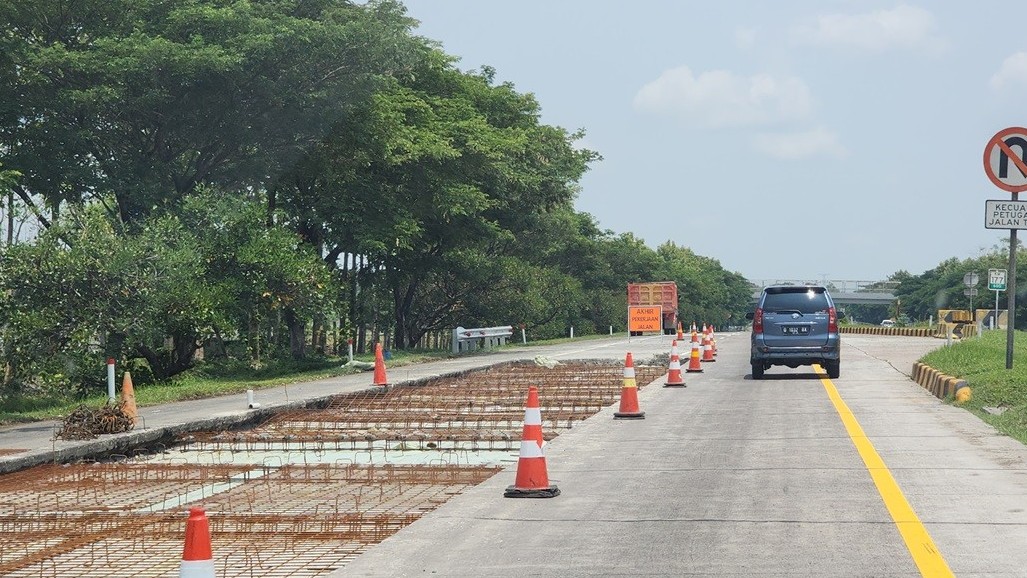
(1005, 159)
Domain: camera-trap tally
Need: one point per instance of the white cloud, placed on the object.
(818, 142)
(719, 98)
(901, 27)
(745, 38)
(1012, 73)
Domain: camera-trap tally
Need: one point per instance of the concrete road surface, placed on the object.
(793, 475)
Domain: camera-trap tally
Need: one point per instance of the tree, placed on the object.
(139, 102)
(443, 166)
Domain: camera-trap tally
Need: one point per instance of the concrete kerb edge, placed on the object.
(936, 382)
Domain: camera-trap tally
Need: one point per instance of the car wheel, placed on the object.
(834, 368)
(757, 370)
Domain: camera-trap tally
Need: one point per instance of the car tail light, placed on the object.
(832, 320)
(757, 321)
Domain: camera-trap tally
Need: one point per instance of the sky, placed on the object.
(788, 139)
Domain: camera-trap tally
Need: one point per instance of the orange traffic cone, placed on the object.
(532, 479)
(713, 341)
(629, 393)
(128, 399)
(707, 349)
(674, 378)
(379, 367)
(197, 561)
(681, 335)
(693, 358)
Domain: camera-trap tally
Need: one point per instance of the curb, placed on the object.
(936, 382)
(904, 331)
(964, 331)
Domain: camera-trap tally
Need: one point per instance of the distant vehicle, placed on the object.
(888, 323)
(795, 325)
(662, 294)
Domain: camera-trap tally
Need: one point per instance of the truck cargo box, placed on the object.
(660, 293)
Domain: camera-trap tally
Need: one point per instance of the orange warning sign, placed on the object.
(645, 319)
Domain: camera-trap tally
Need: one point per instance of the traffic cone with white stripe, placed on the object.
(713, 341)
(674, 378)
(693, 358)
(380, 379)
(707, 348)
(629, 393)
(197, 561)
(681, 334)
(532, 480)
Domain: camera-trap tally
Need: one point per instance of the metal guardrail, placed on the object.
(465, 340)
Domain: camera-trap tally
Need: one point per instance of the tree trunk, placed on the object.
(168, 363)
(183, 352)
(319, 335)
(405, 330)
(297, 334)
(155, 360)
(272, 198)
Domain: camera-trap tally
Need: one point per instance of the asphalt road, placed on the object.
(793, 475)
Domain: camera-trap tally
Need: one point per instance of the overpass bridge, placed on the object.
(844, 292)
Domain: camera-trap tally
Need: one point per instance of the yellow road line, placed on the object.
(919, 543)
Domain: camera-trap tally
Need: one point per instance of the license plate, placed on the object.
(796, 329)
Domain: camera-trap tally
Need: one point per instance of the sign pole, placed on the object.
(1011, 296)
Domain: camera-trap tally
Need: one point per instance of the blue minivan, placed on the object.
(795, 325)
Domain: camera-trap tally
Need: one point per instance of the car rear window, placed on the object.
(803, 300)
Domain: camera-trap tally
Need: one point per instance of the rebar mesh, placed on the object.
(300, 495)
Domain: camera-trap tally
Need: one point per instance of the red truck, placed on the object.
(658, 294)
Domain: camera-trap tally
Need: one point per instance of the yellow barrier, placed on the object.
(936, 382)
(959, 330)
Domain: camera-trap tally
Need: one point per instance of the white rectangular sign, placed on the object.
(1005, 214)
(997, 279)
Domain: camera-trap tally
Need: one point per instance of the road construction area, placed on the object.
(302, 491)
(792, 475)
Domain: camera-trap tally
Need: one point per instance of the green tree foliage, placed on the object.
(144, 100)
(158, 293)
(438, 168)
(70, 305)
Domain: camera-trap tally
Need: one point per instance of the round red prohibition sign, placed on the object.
(1005, 159)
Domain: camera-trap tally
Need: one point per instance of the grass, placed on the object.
(981, 361)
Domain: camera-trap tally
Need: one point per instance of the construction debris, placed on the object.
(85, 423)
